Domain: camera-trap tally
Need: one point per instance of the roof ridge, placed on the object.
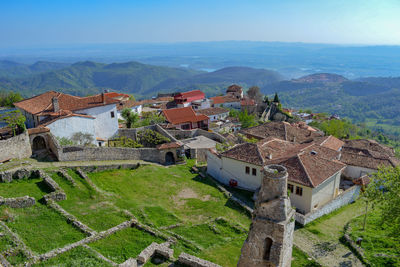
(304, 168)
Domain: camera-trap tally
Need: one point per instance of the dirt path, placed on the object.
(321, 239)
(325, 253)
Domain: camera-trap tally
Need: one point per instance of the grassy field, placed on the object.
(381, 246)
(170, 199)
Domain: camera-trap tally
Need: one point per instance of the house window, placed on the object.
(299, 191)
(185, 126)
(112, 114)
(247, 170)
(290, 187)
(99, 143)
(254, 171)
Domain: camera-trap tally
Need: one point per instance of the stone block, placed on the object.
(19, 202)
(192, 261)
(147, 253)
(6, 177)
(21, 173)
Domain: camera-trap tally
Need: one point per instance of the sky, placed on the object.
(25, 23)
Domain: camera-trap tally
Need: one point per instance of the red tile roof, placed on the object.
(169, 145)
(331, 142)
(116, 95)
(181, 115)
(224, 99)
(42, 104)
(127, 104)
(307, 164)
(190, 96)
(234, 88)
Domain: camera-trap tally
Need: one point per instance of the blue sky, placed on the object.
(45, 22)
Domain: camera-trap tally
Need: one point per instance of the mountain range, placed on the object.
(373, 100)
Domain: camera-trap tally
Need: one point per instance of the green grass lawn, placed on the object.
(378, 240)
(41, 228)
(300, 259)
(27, 187)
(78, 256)
(90, 207)
(157, 196)
(124, 244)
(330, 227)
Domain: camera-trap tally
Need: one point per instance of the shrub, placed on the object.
(150, 138)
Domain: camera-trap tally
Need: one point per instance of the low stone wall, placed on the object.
(18, 202)
(100, 168)
(192, 261)
(185, 134)
(77, 153)
(347, 197)
(17, 147)
(57, 194)
(155, 248)
(9, 176)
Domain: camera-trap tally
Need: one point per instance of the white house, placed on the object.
(226, 101)
(314, 172)
(134, 106)
(215, 114)
(365, 157)
(65, 114)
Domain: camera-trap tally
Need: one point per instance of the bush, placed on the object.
(150, 138)
(124, 141)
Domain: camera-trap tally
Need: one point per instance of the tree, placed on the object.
(15, 120)
(255, 94)
(81, 138)
(384, 193)
(247, 120)
(276, 98)
(7, 99)
(131, 118)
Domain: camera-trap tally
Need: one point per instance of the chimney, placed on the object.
(56, 106)
(103, 98)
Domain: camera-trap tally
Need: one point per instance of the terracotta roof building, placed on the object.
(365, 156)
(185, 118)
(215, 113)
(65, 114)
(184, 99)
(282, 130)
(314, 170)
(235, 91)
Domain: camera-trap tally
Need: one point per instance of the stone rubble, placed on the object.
(162, 250)
(131, 262)
(192, 261)
(4, 262)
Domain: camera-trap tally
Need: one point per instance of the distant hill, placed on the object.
(214, 83)
(13, 69)
(143, 80)
(322, 78)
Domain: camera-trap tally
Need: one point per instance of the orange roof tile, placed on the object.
(43, 103)
(224, 99)
(181, 115)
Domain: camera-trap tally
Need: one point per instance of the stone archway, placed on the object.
(169, 158)
(38, 143)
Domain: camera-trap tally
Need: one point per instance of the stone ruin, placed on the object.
(270, 239)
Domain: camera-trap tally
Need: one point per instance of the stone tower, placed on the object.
(270, 238)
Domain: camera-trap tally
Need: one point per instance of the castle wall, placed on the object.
(16, 147)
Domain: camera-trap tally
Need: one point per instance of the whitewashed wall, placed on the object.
(105, 126)
(326, 191)
(68, 126)
(135, 109)
(356, 172)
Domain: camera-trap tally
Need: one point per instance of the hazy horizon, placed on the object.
(47, 23)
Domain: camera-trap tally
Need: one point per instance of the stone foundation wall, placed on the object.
(77, 153)
(17, 147)
(9, 176)
(347, 197)
(18, 202)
